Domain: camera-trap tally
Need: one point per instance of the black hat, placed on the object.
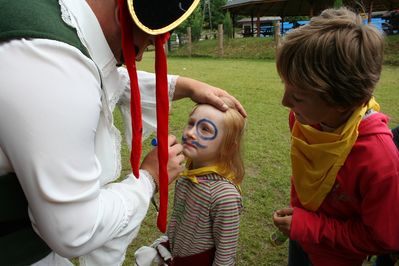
(160, 16)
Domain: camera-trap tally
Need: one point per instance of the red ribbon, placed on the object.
(162, 106)
(162, 127)
(129, 55)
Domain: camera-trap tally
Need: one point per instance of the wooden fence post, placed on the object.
(189, 43)
(277, 33)
(220, 37)
(166, 47)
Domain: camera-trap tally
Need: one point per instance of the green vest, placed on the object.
(36, 19)
(19, 244)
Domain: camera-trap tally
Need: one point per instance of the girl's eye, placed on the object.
(190, 123)
(205, 129)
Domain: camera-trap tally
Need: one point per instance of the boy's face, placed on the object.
(310, 108)
(203, 135)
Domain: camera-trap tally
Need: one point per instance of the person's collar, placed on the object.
(90, 33)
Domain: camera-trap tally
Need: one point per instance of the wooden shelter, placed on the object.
(302, 7)
(285, 8)
(247, 25)
(275, 7)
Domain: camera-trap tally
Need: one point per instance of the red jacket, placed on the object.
(360, 215)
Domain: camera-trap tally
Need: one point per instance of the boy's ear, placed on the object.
(117, 14)
(344, 110)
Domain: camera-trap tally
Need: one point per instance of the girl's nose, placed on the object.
(191, 133)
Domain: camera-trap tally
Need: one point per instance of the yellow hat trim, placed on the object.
(164, 29)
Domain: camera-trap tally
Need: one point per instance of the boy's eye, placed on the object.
(296, 98)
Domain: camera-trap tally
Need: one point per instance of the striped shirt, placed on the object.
(205, 216)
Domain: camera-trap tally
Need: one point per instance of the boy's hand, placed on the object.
(282, 220)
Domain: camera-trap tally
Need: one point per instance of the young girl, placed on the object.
(345, 165)
(204, 225)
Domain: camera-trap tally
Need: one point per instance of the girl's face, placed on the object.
(203, 135)
(311, 109)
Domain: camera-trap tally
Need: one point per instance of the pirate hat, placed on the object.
(160, 16)
(154, 17)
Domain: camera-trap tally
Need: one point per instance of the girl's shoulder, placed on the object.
(212, 184)
(220, 187)
(212, 177)
(216, 180)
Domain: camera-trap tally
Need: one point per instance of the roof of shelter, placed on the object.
(300, 7)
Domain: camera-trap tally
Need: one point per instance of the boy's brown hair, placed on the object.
(335, 55)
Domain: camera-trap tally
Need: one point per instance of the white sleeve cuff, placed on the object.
(147, 175)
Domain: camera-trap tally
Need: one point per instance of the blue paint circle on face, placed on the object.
(209, 122)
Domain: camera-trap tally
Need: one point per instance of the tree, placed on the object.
(228, 26)
(337, 3)
(213, 13)
(209, 15)
(194, 21)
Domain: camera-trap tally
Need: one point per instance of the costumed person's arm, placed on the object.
(148, 101)
(50, 141)
(374, 229)
(179, 87)
(201, 92)
(225, 213)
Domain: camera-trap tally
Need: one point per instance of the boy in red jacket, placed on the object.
(345, 165)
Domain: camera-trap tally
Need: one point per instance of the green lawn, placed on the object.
(264, 48)
(266, 184)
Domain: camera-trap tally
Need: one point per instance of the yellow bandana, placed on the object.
(317, 156)
(193, 173)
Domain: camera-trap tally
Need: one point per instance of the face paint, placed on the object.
(195, 143)
(202, 135)
(206, 130)
(206, 137)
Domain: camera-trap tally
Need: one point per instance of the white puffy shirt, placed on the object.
(57, 135)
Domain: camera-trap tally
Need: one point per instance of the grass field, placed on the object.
(264, 48)
(266, 184)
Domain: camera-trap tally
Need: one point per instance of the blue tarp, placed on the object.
(377, 22)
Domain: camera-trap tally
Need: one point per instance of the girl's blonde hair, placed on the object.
(231, 149)
(335, 55)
